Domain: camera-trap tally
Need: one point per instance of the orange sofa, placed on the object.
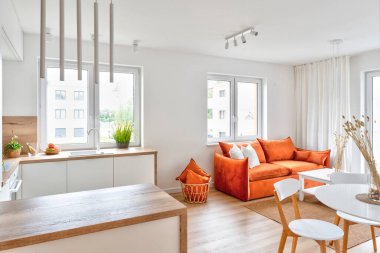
(279, 159)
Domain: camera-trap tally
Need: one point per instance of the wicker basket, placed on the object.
(195, 193)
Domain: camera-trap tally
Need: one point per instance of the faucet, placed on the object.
(97, 140)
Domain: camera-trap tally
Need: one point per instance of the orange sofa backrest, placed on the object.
(278, 150)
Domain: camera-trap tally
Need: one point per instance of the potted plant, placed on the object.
(13, 148)
(122, 134)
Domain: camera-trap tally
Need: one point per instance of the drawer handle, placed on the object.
(19, 183)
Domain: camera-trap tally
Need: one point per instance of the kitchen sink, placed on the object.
(89, 153)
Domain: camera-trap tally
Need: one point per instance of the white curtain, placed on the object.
(322, 98)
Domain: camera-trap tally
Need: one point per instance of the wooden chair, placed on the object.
(348, 220)
(317, 230)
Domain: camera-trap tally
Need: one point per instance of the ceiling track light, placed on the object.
(242, 34)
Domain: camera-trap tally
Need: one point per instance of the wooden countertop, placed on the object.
(65, 156)
(42, 219)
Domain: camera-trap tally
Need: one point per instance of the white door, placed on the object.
(89, 174)
(130, 170)
(40, 179)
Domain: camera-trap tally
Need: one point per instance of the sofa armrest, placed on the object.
(231, 176)
(327, 163)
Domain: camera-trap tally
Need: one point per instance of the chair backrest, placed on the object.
(282, 190)
(286, 188)
(349, 178)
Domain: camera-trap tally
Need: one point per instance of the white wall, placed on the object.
(175, 98)
(360, 64)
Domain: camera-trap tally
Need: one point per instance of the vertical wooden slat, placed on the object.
(62, 39)
(43, 39)
(79, 39)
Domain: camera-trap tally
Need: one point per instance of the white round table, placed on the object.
(341, 197)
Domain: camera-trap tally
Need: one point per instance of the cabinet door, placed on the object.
(134, 170)
(40, 179)
(89, 174)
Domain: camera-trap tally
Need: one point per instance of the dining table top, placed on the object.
(342, 197)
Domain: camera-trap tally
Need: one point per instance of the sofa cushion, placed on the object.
(266, 171)
(301, 155)
(193, 166)
(259, 151)
(318, 157)
(225, 147)
(278, 150)
(297, 166)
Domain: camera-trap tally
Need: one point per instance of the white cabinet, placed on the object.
(134, 170)
(89, 174)
(11, 34)
(40, 179)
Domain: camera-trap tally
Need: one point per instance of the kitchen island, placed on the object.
(136, 218)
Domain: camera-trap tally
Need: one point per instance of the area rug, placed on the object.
(310, 208)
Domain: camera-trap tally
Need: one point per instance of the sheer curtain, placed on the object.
(322, 97)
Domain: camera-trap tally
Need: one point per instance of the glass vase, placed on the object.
(374, 185)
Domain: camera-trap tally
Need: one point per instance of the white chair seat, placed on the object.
(356, 219)
(316, 229)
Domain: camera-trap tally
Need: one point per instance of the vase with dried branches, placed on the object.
(357, 130)
(340, 143)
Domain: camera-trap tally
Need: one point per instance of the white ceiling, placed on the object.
(290, 31)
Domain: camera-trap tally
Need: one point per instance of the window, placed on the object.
(209, 113)
(78, 114)
(221, 114)
(78, 132)
(118, 102)
(71, 107)
(60, 95)
(79, 95)
(60, 132)
(239, 107)
(60, 114)
(373, 109)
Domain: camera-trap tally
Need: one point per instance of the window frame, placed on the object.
(92, 105)
(234, 80)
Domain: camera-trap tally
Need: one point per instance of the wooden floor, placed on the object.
(223, 224)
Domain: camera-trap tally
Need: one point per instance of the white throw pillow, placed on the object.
(236, 153)
(253, 159)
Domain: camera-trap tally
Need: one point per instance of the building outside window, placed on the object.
(239, 107)
(221, 114)
(79, 95)
(210, 93)
(78, 113)
(78, 132)
(60, 95)
(70, 107)
(60, 132)
(60, 114)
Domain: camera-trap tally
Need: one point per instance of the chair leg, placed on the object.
(294, 244)
(346, 227)
(322, 245)
(336, 222)
(373, 239)
(337, 246)
(282, 242)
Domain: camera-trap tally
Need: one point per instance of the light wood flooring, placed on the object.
(223, 224)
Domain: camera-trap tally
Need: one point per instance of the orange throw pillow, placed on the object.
(192, 166)
(278, 150)
(259, 151)
(318, 157)
(194, 178)
(300, 155)
(225, 147)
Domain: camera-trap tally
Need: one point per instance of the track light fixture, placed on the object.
(242, 35)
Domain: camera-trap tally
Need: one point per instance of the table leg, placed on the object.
(302, 188)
